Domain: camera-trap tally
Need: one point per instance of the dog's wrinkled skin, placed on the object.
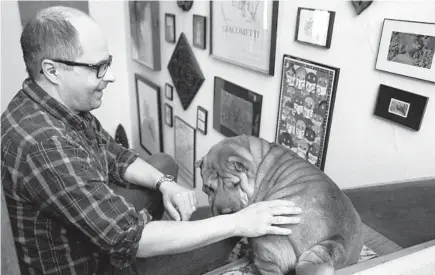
(243, 170)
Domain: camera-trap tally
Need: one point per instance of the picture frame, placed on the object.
(170, 30)
(236, 110)
(145, 33)
(184, 151)
(261, 18)
(201, 120)
(401, 107)
(199, 27)
(149, 115)
(169, 91)
(314, 27)
(407, 48)
(306, 103)
(169, 117)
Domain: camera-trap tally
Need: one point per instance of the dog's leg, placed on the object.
(322, 258)
(273, 255)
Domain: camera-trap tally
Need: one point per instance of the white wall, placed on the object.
(362, 149)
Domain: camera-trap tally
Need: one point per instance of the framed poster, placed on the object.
(145, 33)
(244, 33)
(149, 115)
(314, 27)
(407, 48)
(170, 33)
(169, 91)
(184, 148)
(306, 105)
(201, 120)
(400, 106)
(236, 110)
(169, 115)
(199, 31)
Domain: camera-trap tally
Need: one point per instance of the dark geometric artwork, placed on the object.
(360, 6)
(185, 71)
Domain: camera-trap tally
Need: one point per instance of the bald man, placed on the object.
(80, 203)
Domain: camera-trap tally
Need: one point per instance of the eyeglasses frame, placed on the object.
(91, 66)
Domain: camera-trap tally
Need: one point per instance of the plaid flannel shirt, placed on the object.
(55, 168)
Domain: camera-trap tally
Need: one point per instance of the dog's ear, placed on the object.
(199, 163)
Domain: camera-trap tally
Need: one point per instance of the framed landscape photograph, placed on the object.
(169, 115)
(306, 105)
(201, 120)
(149, 115)
(400, 106)
(244, 33)
(236, 110)
(184, 150)
(170, 34)
(145, 33)
(199, 31)
(169, 91)
(314, 27)
(407, 48)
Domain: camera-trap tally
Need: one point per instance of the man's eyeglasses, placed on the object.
(101, 68)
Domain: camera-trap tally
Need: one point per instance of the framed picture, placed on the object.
(185, 71)
(149, 112)
(168, 115)
(400, 106)
(306, 105)
(201, 120)
(199, 31)
(169, 91)
(185, 141)
(244, 33)
(407, 48)
(314, 27)
(236, 110)
(170, 33)
(145, 33)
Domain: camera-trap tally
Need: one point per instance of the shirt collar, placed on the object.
(52, 106)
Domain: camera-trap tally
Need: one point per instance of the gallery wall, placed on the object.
(362, 150)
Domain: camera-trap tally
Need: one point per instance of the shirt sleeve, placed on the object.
(118, 157)
(61, 179)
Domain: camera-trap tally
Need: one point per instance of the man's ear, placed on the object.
(49, 70)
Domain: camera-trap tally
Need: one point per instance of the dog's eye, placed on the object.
(206, 189)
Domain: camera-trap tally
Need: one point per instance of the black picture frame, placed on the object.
(169, 91)
(149, 111)
(305, 109)
(170, 31)
(304, 37)
(169, 115)
(237, 59)
(199, 27)
(401, 107)
(185, 151)
(201, 120)
(236, 110)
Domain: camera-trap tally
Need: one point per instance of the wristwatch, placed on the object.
(164, 178)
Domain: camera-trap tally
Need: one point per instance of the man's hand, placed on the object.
(178, 200)
(264, 217)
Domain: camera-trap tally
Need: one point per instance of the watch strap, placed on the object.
(167, 178)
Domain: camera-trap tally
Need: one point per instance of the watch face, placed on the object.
(169, 177)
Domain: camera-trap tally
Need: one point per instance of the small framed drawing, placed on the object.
(145, 33)
(305, 109)
(236, 110)
(201, 120)
(199, 31)
(149, 112)
(168, 115)
(400, 106)
(314, 27)
(407, 48)
(170, 33)
(169, 91)
(243, 33)
(184, 150)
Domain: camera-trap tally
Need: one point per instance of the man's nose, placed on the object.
(110, 75)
